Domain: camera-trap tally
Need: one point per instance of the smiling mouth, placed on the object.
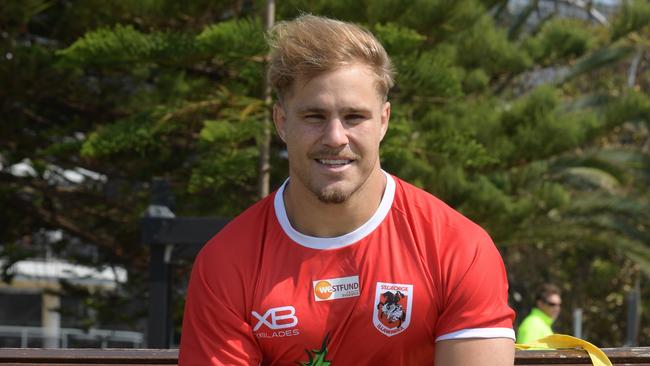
(334, 162)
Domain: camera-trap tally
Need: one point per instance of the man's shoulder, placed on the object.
(244, 232)
(416, 201)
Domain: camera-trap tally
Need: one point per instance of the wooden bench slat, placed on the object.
(638, 356)
(618, 356)
(58, 363)
(88, 356)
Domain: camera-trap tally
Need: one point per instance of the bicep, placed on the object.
(474, 291)
(475, 351)
(214, 331)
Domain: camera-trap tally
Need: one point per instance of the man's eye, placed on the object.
(355, 117)
(314, 117)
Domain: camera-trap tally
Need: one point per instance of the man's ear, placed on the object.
(385, 117)
(279, 119)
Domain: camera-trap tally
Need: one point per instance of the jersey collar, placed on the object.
(338, 241)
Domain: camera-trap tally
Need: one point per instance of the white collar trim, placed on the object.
(338, 241)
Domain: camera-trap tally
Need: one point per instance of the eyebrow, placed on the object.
(357, 110)
(312, 110)
(344, 110)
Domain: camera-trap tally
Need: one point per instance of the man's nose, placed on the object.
(335, 134)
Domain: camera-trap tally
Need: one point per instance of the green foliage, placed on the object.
(18, 13)
(633, 16)
(539, 130)
(632, 106)
(233, 39)
(586, 178)
(561, 39)
(134, 135)
(126, 45)
(215, 172)
(225, 159)
(520, 19)
(451, 135)
(430, 74)
(555, 167)
(441, 18)
(11, 254)
(398, 40)
(603, 57)
(476, 81)
(485, 46)
(402, 144)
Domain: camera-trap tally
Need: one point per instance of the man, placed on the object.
(538, 323)
(344, 264)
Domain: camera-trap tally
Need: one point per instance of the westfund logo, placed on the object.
(336, 288)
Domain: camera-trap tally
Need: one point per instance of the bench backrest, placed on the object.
(153, 357)
(68, 357)
(618, 356)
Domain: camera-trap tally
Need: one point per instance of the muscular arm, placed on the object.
(475, 351)
(215, 329)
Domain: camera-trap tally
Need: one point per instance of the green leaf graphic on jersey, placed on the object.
(317, 357)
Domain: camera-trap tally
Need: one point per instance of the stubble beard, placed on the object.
(331, 196)
(336, 195)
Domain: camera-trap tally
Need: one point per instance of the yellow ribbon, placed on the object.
(559, 341)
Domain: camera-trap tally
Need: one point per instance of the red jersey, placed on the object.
(415, 273)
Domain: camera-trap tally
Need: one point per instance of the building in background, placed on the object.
(599, 11)
(35, 312)
(35, 308)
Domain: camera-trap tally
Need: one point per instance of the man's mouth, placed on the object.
(334, 162)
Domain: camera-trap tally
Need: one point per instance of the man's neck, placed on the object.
(309, 216)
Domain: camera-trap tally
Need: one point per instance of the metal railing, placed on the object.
(23, 337)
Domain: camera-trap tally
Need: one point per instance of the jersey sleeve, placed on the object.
(215, 331)
(474, 298)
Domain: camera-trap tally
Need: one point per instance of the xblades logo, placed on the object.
(277, 318)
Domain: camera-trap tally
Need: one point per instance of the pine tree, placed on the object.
(533, 125)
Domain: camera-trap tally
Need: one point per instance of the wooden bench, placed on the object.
(618, 356)
(152, 357)
(87, 356)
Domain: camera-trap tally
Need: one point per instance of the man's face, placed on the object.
(551, 305)
(332, 125)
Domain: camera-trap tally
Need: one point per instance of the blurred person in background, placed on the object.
(537, 324)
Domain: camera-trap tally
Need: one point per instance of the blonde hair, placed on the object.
(310, 45)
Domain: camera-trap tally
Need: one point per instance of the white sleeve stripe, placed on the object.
(479, 333)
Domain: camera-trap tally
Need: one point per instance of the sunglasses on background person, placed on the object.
(550, 303)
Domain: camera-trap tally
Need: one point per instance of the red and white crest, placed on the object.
(393, 303)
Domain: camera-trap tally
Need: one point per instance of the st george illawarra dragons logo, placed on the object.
(393, 303)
